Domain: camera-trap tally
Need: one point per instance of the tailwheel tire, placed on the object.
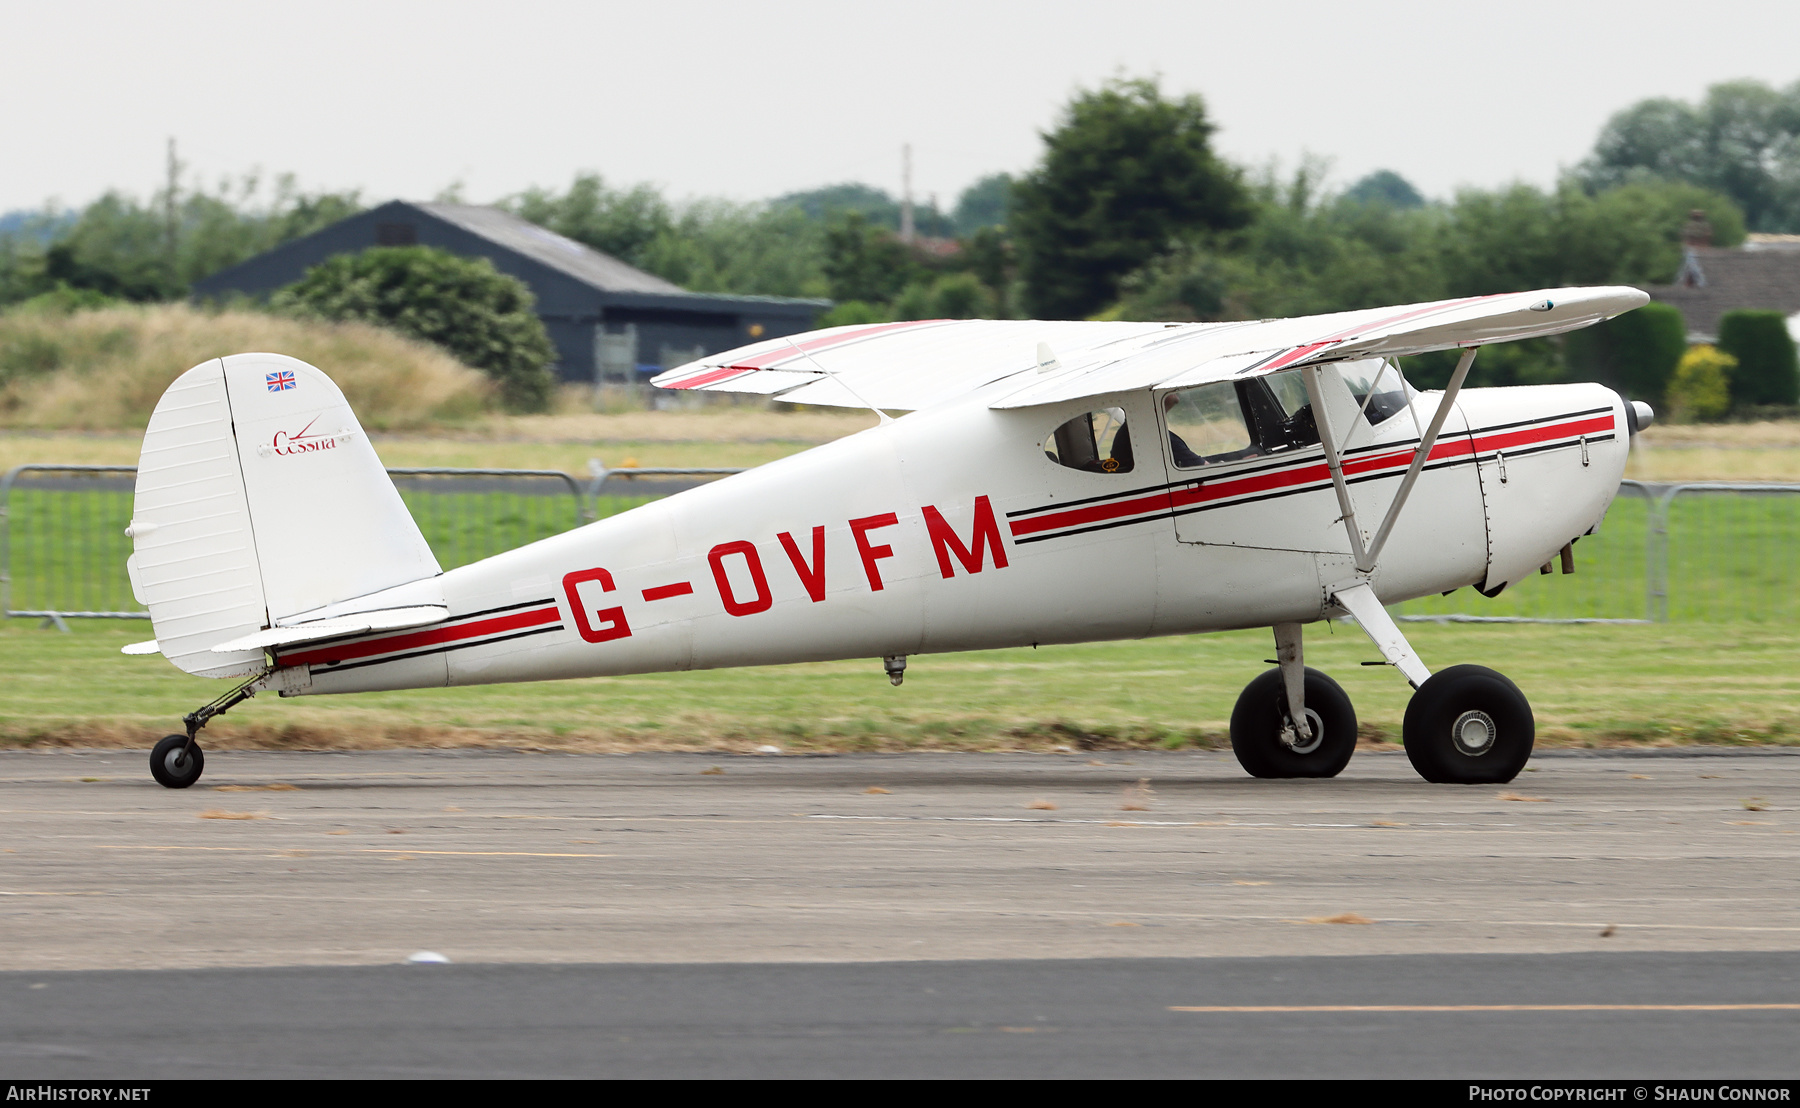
(1468, 725)
(1268, 745)
(174, 764)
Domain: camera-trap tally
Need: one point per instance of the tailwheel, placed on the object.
(176, 762)
(1267, 743)
(1468, 725)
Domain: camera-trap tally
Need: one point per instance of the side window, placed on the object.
(1095, 441)
(1378, 388)
(1206, 425)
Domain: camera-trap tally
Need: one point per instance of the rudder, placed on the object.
(259, 499)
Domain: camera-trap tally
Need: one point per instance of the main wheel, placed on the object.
(1268, 745)
(1468, 725)
(174, 764)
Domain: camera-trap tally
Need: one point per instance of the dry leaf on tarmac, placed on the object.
(1042, 806)
(1609, 931)
(876, 790)
(1123, 923)
(276, 788)
(1341, 917)
(1137, 797)
(715, 771)
(1523, 797)
(1754, 804)
(1639, 776)
(220, 813)
(1385, 823)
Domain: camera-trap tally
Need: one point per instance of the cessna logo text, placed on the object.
(302, 443)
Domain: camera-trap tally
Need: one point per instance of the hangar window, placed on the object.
(396, 234)
(1095, 441)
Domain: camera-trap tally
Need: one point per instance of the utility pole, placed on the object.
(173, 177)
(907, 233)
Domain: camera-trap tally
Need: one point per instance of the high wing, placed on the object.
(913, 365)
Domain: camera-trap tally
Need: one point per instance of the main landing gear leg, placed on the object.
(177, 761)
(1292, 721)
(1466, 725)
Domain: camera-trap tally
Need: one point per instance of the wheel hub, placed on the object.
(177, 760)
(1291, 738)
(1474, 733)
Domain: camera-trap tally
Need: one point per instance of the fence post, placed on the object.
(597, 472)
(6, 484)
(1656, 563)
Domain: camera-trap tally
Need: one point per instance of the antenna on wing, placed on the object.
(1047, 362)
(883, 416)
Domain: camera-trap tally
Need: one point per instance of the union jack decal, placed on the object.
(283, 379)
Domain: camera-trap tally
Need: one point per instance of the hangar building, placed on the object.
(609, 321)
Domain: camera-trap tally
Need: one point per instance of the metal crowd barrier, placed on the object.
(63, 544)
(1706, 551)
(1697, 551)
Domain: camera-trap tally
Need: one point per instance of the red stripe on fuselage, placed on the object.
(436, 636)
(1459, 445)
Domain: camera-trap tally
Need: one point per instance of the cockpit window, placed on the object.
(1095, 441)
(1378, 388)
(1207, 425)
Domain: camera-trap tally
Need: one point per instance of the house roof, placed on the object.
(578, 260)
(1713, 281)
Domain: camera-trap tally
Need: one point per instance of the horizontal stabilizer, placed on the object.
(141, 648)
(387, 619)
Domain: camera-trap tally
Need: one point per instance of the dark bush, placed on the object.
(1767, 370)
(1635, 353)
(464, 305)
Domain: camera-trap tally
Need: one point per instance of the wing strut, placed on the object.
(1419, 457)
(1334, 459)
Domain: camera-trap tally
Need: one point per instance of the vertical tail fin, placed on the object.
(259, 498)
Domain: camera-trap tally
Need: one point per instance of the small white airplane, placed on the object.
(1054, 482)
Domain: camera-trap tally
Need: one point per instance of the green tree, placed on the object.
(863, 262)
(1124, 173)
(1384, 186)
(122, 248)
(622, 223)
(1767, 370)
(745, 249)
(1742, 139)
(464, 305)
(1635, 353)
(984, 204)
(831, 203)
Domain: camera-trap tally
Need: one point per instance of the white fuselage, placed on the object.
(950, 529)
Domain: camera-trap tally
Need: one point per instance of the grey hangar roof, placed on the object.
(602, 314)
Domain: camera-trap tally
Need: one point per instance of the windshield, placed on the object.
(1377, 387)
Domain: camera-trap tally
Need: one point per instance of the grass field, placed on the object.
(1589, 685)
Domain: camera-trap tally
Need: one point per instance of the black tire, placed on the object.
(1262, 713)
(1468, 725)
(171, 769)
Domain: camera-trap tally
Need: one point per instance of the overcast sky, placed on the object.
(751, 100)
